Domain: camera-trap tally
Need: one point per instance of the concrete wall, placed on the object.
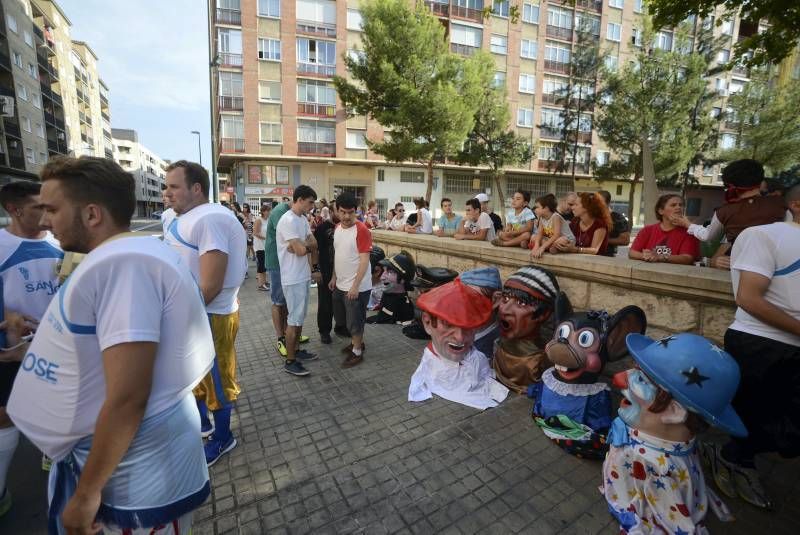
(675, 298)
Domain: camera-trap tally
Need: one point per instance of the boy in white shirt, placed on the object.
(519, 222)
(476, 225)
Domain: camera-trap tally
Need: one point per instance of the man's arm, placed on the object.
(128, 370)
(623, 239)
(709, 233)
(212, 274)
(750, 297)
(297, 247)
(480, 236)
(363, 265)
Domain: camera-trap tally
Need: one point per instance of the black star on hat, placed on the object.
(666, 340)
(693, 377)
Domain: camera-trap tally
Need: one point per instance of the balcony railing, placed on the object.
(321, 29)
(557, 32)
(732, 125)
(318, 69)
(5, 61)
(550, 132)
(552, 165)
(105, 116)
(589, 5)
(550, 98)
(312, 148)
(314, 109)
(467, 13)
(556, 66)
(229, 16)
(741, 70)
(464, 50)
(12, 128)
(585, 137)
(231, 103)
(438, 8)
(230, 59)
(38, 32)
(230, 144)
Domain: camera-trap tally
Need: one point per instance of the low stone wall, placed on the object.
(675, 298)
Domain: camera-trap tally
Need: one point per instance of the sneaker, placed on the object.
(303, 339)
(349, 348)
(720, 468)
(352, 360)
(5, 502)
(304, 356)
(313, 284)
(295, 368)
(216, 448)
(263, 288)
(325, 338)
(282, 346)
(206, 429)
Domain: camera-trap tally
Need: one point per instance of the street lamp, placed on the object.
(199, 149)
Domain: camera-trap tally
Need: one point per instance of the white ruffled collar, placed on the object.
(570, 389)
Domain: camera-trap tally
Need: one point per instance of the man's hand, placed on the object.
(679, 221)
(79, 515)
(439, 232)
(352, 294)
(459, 236)
(332, 283)
(649, 256)
(721, 262)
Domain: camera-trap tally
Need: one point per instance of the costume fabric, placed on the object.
(518, 371)
(469, 382)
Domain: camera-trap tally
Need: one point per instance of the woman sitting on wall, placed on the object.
(664, 241)
(590, 225)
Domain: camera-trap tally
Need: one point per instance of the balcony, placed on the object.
(318, 69)
(588, 5)
(461, 12)
(230, 59)
(319, 29)
(231, 103)
(585, 138)
(105, 116)
(312, 109)
(230, 144)
(550, 132)
(103, 99)
(557, 32)
(464, 50)
(229, 16)
(732, 125)
(740, 71)
(310, 148)
(5, 61)
(438, 8)
(550, 98)
(556, 66)
(12, 128)
(38, 32)
(552, 165)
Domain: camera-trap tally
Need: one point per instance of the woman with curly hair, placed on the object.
(590, 225)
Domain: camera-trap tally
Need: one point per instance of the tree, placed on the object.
(771, 45)
(410, 83)
(650, 100)
(491, 142)
(766, 122)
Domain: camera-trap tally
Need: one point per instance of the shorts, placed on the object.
(8, 372)
(260, 267)
(180, 526)
(352, 313)
(219, 388)
(297, 302)
(275, 288)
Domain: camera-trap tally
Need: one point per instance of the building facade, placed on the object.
(277, 121)
(54, 101)
(146, 167)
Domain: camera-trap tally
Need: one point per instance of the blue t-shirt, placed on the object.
(449, 226)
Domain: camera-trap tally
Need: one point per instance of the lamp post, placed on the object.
(199, 148)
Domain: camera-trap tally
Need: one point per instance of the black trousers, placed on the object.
(324, 305)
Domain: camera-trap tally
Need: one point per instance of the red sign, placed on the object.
(229, 189)
(254, 174)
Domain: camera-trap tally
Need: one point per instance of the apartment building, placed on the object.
(147, 168)
(56, 102)
(277, 121)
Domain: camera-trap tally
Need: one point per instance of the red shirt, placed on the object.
(674, 242)
(584, 238)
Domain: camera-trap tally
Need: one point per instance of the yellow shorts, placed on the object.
(219, 388)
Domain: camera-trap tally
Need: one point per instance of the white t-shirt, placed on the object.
(483, 222)
(294, 269)
(166, 218)
(28, 270)
(211, 227)
(348, 244)
(774, 252)
(259, 240)
(129, 289)
(426, 227)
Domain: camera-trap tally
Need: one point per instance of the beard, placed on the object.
(76, 237)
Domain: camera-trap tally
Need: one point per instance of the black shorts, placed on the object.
(260, 267)
(8, 371)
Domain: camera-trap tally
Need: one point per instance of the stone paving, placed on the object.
(342, 451)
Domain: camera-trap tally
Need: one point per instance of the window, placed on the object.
(17, 57)
(693, 205)
(547, 152)
(527, 83)
(32, 71)
(40, 130)
(269, 91)
(30, 157)
(636, 37)
(270, 133)
(316, 132)
(525, 117)
(319, 11)
(36, 99)
(554, 86)
(619, 4)
(232, 127)
(499, 79)
(614, 32)
(319, 52)
(466, 35)
(552, 118)
(27, 37)
(26, 124)
(229, 41)
(354, 20)
(587, 23)
(727, 27)
(42, 157)
(500, 8)
(638, 6)
(602, 159)
(356, 139)
(715, 112)
(723, 56)
(316, 92)
(530, 13)
(381, 175)
(664, 41)
(560, 18)
(708, 170)
(22, 91)
(269, 8)
(708, 22)
(12, 23)
(557, 53)
(735, 86)
(415, 177)
(230, 84)
(528, 49)
(269, 49)
(358, 56)
(499, 44)
(721, 86)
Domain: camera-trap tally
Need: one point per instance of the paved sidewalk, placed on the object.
(342, 451)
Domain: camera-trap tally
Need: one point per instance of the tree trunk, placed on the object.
(499, 187)
(429, 189)
(632, 196)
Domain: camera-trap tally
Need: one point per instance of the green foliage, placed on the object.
(770, 46)
(410, 83)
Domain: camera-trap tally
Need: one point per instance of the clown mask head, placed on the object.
(449, 341)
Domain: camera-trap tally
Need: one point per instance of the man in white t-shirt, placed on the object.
(351, 287)
(764, 338)
(213, 244)
(105, 387)
(295, 243)
(476, 225)
(28, 278)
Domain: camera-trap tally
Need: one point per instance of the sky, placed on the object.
(153, 56)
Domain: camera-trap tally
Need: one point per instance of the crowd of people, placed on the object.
(120, 365)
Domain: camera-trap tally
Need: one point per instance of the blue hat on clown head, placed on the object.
(700, 376)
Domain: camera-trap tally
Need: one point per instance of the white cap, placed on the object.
(482, 197)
